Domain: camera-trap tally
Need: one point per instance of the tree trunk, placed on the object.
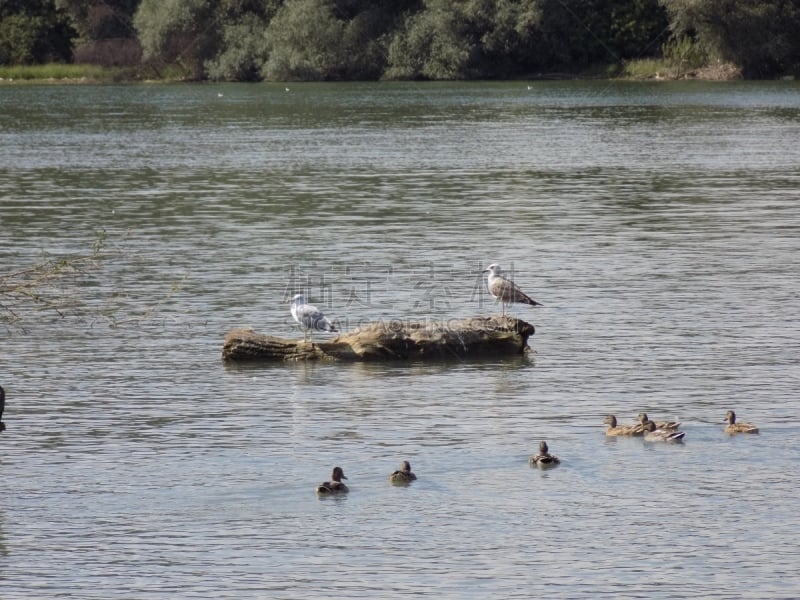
(395, 340)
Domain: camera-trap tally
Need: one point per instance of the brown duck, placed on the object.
(335, 486)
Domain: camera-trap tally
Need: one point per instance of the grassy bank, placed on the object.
(669, 70)
(81, 73)
(84, 73)
(60, 72)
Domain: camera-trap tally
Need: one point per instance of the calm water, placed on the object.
(659, 224)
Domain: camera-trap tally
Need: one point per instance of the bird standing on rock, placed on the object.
(504, 289)
(309, 317)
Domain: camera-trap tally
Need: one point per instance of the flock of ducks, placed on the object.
(310, 318)
(403, 475)
(505, 291)
(651, 431)
(667, 431)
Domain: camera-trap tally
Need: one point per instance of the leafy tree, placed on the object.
(182, 32)
(368, 27)
(761, 36)
(19, 34)
(304, 41)
(580, 33)
(243, 50)
(101, 19)
(243, 46)
(106, 33)
(508, 33)
(33, 31)
(432, 44)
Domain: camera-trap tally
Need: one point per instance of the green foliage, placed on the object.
(402, 39)
(182, 32)
(33, 31)
(431, 45)
(244, 50)
(761, 36)
(682, 53)
(304, 41)
(472, 38)
(18, 37)
(580, 33)
(645, 68)
(100, 19)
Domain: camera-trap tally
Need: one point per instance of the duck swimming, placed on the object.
(654, 434)
(614, 429)
(403, 475)
(731, 427)
(335, 486)
(671, 425)
(544, 459)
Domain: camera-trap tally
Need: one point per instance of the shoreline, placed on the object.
(653, 71)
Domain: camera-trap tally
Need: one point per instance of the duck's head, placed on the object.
(649, 425)
(338, 474)
(610, 420)
(543, 447)
(730, 417)
(643, 418)
(405, 467)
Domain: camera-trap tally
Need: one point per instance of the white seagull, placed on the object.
(504, 289)
(309, 317)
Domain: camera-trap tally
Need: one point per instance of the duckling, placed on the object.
(669, 425)
(403, 475)
(732, 426)
(335, 486)
(544, 459)
(614, 429)
(2, 407)
(654, 434)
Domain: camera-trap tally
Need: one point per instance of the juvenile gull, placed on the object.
(309, 317)
(504, 289)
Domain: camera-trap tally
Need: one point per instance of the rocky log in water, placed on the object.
(395, 340)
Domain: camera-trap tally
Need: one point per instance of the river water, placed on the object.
(658, 223)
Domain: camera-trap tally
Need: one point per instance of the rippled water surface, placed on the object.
(658, 223)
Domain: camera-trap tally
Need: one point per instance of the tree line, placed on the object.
(251, 40)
